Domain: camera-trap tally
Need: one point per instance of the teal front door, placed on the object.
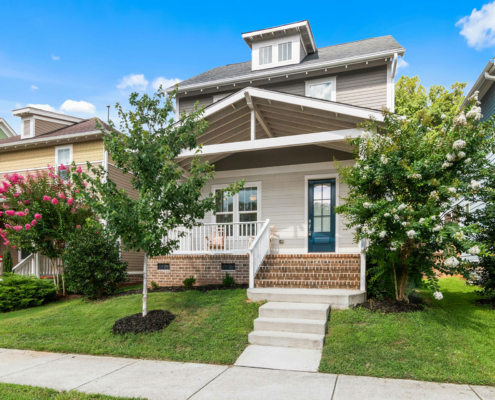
(321, 218)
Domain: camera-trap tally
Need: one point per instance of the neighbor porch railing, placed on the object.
(216, 238)
(37, 265)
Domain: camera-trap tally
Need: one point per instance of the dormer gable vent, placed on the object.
(36, 122)
(281, 45)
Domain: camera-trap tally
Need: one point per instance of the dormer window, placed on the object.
(285, 51)
(265, 55)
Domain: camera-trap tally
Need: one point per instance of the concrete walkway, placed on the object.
(171, 380)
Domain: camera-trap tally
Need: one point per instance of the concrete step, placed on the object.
(337, 298)
(295, 311)
(287, 339)
(316, 326)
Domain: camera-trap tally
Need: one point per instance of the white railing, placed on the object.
(37, 265)
(258, 250)
(236, 237)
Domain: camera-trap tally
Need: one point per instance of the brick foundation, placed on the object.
(318, 271)
(135, 278)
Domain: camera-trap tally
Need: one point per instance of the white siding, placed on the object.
(283, 202)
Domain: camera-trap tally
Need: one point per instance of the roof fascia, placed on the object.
(292, 69)
(37, 111)
(480, 81)
(40, 139)
(10, 132)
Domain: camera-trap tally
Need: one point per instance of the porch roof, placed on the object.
(255, 119)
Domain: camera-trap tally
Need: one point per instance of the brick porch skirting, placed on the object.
(319, 271)
(135, 278)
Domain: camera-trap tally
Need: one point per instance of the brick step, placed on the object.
(311, 270)
(311, 284)
(304, 277)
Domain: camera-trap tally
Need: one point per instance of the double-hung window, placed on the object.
(285, 51)
(265, 55)
(63, 156)
(243, 207)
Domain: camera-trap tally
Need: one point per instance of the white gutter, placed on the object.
(291, 70)
(489, 77)
(394, 66)
(21, 142)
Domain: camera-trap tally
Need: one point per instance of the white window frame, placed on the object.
(31, 133)
(236, 212)
(278, 51)
(332, 80)
(259, 55)
(71, 152)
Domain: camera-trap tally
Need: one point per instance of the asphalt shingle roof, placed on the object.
(329, 53)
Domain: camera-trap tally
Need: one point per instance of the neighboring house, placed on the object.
(49, 138)
(5, 130)
(279, 121)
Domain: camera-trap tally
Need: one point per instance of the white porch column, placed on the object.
(253, 125)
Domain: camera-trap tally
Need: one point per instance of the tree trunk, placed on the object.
(395, 283)
(145, 285)
(55, 274)
(402, 287)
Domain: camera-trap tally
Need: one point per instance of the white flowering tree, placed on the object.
(403, 187)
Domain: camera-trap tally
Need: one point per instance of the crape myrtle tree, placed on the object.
(406, 178)
(40, 210)
(146, 150)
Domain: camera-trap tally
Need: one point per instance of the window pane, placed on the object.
(265, 55)
(317, 192)
(326, 191)
(317, 208)
(248, 217)
(325, 207)
(326, 224)
(285, 51)
(225, 218)
(225, 203)
(321, 91)
(63, 156)
(317, 227)
(248, 199)
(249, 229)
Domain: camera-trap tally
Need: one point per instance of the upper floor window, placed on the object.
(265, 55)
(285, 51)
(322, 89)
(63, 155)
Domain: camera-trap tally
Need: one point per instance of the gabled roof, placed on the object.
(338, 54)
(6, 128)
(87, 126)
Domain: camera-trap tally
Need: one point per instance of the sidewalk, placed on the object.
(170, 380)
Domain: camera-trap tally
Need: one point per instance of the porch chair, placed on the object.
(217, 239)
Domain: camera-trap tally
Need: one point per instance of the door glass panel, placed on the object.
(326, 193)
(317, 208)
(317, 192)
(317, 227)
(326, 224)
(325, 207)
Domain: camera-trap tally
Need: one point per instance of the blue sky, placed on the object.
(74, 56)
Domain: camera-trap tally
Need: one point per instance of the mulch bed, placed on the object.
(490, 301)
(177, 289)
(154, 321)
(390, 306)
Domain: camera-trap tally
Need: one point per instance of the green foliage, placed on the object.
(92, 262)
(406, 179)
(8, 263)
(228, 281)
(18, 291)
(412, 101)
(189, 282)
(154, 285)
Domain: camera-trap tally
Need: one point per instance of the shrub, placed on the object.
(189, 282)
(154, 285)
(17, 291)
(8, 264)
(92, 262)
(228, 281)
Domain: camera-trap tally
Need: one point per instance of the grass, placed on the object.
(210, 327)
(454, 341)
(21, 392)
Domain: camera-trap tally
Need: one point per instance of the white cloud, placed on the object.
(55, 58)
(401, 63)
(78, 107)
(164, 82)
(45, 107)
(133, 81)
(34, 87)
(479, 27)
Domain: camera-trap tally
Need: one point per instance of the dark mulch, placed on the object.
(154, 321)
(390, 306)
(489, 301)
(177, 289)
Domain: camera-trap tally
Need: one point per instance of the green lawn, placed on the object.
(454, 341)
(210, 327)
(20, 392)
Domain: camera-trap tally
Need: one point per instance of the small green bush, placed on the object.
(154, 285)
(92, 264)
(18, 291)
(8, 263)
(228, 281)
(189, 282)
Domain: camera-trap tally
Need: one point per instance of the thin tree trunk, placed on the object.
(403, 281)
(55, 274)
(145, 285)
(63, 285)
(395, 283)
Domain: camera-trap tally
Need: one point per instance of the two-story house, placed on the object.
(51, 139)
(279, 122)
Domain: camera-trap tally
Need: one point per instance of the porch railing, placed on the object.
(258, 250)
(220, 238)
(37, 265)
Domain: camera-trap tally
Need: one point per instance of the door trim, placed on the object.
(308, 178)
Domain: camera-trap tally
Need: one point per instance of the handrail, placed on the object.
(23, 263)
(258, 251)
(256, 240)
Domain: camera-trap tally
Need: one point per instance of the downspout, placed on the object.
(362, 248)
(489, 77)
